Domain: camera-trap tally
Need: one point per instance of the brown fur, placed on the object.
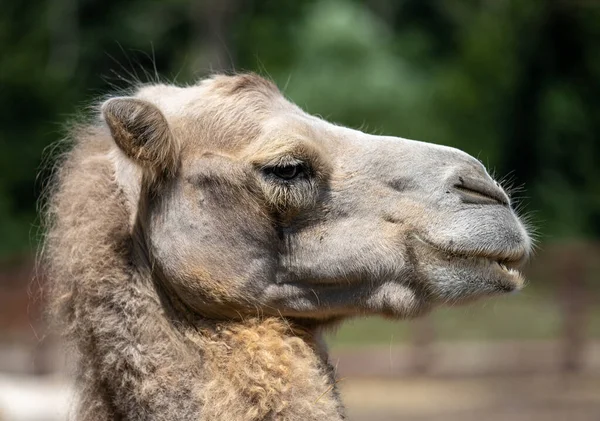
(140, 357)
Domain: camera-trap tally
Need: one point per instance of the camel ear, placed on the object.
(141, 131)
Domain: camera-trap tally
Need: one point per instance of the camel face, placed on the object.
(260, 207)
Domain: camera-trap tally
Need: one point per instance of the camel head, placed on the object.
(243, 203)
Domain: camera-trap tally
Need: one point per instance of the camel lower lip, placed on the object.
(503, 278)
(502, 272)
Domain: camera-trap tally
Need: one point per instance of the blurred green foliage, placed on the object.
(514, 82)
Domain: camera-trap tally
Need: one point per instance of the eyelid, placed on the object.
(284, 161)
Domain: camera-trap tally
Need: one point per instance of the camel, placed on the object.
(200, 240)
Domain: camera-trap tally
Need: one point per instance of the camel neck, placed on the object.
(267, 368)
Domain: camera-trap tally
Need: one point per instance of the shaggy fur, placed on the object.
(140, 358)
(194, 282)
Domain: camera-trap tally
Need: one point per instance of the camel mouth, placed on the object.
(508, 277)
(500, 268)
(511, 258)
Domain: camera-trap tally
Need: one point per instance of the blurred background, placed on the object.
(514, 82)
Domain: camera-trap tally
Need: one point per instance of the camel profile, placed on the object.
(201, 238)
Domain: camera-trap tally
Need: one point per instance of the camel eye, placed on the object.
(287, 172)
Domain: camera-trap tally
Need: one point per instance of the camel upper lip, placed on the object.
(509, 258)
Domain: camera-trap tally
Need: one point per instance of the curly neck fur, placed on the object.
(139, 358)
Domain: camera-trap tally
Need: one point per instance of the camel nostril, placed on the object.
(481, 192)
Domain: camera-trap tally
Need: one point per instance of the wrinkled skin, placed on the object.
(365, 224)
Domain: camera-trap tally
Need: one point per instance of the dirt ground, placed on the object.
(464, 381)
(498, 398)
(477, 398)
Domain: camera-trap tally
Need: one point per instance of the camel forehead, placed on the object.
(248, 91)
(234, 114)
